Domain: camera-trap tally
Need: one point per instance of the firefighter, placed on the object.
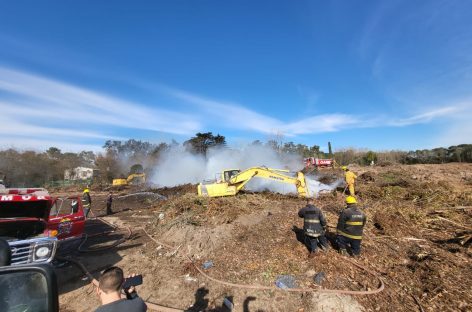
(86, 201)
(350, 226)
(109, 203)
(314, 227)
(350, 178)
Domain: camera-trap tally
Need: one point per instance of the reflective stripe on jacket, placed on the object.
(313, 220)
(351, 222)
(86, 199)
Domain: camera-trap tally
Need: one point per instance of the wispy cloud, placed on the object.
(322, 123)
(37, 106)
(459, 128)
(443, 112)
(12, 127)
(95, 106)
(47, 111)
(26, 143)
(236, 116)
(373, 26)
(230, 115)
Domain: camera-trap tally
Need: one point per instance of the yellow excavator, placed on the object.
(232, 181)
(136, 177)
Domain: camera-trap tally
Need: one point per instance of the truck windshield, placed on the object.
(64, 206)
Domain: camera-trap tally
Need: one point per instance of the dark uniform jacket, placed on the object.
(86, 200)
(124, 305)
(314, 220)
(351, 222)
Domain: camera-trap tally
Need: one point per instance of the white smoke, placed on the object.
(177, 166)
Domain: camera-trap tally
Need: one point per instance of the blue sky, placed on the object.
(367, 74)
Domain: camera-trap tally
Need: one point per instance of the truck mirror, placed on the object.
(5, 253)
(28, 288)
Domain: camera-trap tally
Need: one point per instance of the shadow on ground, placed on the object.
(69, 276)
(201, 303)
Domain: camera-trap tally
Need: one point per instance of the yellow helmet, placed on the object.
(86, 190)
(344, 168)
(351, 200)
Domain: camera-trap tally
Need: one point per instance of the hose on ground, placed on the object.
(81, 266)
(118, 242)
(259, 287)
(161, 308)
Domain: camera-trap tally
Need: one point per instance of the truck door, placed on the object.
(67, 218)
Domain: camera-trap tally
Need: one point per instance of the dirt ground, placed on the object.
(417, 240)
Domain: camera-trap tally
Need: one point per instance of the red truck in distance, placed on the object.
(319, 163)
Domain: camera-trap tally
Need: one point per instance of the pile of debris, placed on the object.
(417, 239)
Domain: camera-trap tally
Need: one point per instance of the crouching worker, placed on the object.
(350, 226)
(112, 295)
(314, 225)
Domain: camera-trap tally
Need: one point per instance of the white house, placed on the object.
(79, 173)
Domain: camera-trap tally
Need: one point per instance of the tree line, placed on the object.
(32, 168)
(35, 169)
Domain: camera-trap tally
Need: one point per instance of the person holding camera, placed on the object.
(110, 286)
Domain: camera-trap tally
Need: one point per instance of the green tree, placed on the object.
(54, 153)
(273, 144)
(315, 151)
(201, 142)
(289, 148)
(370, 157)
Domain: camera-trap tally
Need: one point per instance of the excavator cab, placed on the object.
(228, 174)
(220, 187)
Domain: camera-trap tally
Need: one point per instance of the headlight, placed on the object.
(42, 252)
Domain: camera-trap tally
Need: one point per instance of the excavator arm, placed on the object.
(237, 182)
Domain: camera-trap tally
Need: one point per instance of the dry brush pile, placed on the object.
(417, 239)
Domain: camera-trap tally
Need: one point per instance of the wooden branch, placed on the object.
(455, 223)
(418, 303)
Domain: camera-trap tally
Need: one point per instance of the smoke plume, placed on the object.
(177, 166)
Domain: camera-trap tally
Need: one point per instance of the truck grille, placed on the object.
(21, 253)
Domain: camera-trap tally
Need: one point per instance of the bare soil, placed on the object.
(417, 240)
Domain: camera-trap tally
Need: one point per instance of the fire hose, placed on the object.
(259, 287)
(160, 308)
(81, 266)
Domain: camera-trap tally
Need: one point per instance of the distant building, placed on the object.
(80, 173)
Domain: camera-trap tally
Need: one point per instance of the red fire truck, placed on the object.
(318, 162)
(34, 223)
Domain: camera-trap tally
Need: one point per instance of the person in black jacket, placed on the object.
(112, 295)
(86, 201)
(109, 203)
(314, 227)
(350, 227)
